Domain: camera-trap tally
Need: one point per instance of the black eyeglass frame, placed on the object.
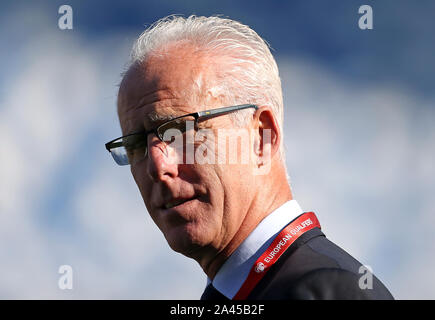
(197, 115)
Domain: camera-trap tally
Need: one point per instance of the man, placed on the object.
(190, 82)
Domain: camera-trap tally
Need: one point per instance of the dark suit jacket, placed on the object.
(312, 268)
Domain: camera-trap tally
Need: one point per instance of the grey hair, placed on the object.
(248, 74)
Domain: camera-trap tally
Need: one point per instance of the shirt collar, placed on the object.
(235, 270)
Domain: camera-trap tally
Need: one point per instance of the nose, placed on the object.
(163, 160)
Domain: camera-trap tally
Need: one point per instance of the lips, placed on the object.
(176, 202)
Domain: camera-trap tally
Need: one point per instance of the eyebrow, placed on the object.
(154, 116)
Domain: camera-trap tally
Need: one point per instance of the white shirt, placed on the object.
(235, 270)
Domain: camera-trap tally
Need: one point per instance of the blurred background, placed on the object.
(359, 135)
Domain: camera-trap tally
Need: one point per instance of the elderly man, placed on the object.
(228, 205)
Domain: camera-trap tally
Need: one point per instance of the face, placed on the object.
(198, 207)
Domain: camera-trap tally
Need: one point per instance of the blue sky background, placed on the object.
(359, 134)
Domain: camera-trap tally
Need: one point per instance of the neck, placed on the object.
(261, 206)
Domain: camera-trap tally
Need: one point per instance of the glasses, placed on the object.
(133, 147)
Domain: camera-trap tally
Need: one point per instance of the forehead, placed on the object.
(164, 83)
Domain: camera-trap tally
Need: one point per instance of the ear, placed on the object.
(267, 135)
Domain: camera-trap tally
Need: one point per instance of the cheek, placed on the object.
(135, 173)
(237, 185)
(140, 177)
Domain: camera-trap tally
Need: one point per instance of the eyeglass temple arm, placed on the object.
(111, 145)
(214, 112)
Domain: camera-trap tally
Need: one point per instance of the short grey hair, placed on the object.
(249, 73)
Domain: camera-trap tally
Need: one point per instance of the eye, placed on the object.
(176, 126)
(134, 141)
(136, 147)
(135, 144)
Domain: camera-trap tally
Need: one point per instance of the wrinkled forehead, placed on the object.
(145, 98)
(178, 76)
(139, 87)
(176, 81)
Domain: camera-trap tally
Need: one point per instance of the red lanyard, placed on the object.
(282, 242)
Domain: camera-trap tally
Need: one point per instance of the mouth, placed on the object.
(176, 202)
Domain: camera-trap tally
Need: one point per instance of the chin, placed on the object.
(188, 239)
